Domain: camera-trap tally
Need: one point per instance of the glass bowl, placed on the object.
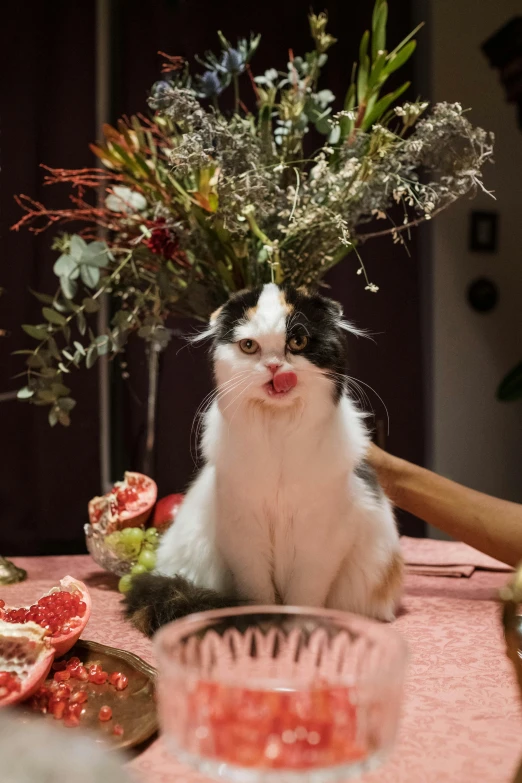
(103, 555)
(265, 694)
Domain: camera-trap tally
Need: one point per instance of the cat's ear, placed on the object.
(211, 329)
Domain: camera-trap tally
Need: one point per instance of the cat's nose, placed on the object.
(274, 367)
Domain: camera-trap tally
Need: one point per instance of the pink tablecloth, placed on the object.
(461, 721)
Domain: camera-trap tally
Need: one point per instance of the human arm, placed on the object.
(489, 524)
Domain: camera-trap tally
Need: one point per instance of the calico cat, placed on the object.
(285, 509)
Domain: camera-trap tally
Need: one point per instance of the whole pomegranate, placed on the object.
(128, 504)
(166, 510)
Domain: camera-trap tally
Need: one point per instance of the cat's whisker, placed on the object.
(223, 388)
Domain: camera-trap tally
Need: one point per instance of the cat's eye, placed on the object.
(298, 342)
(249, 346)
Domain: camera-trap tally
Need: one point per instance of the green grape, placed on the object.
(125, 583)
(147, 559)
(138, 568)
(151, 536)
(131, 541)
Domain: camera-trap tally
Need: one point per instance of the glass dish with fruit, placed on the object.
(125, 526)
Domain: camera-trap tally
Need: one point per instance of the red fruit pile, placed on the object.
(274, 729)
(63, 702)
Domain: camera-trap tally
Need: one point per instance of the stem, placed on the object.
(236, 93)
(404, 227)
(153, 352)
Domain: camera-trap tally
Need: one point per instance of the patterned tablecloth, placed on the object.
(461, 721)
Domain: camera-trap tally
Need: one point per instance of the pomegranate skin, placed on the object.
(166, 510)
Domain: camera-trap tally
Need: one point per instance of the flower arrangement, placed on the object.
(198, 203)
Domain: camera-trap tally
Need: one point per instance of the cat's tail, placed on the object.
(156, 600)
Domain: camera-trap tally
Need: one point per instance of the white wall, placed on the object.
(475, 439)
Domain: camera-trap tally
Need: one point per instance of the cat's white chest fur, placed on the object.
(278, 514)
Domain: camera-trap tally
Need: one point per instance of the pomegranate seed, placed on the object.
(79, 697)
(118, 730)
(74, 661)
(105, 713)
(80, 673)
(98, 678)
(2, 603)
(58, 710)
(82, 608)
(63, 691)
(10, 682)
(119, 680)
(71, 722)
(59, 666)
(62, 675)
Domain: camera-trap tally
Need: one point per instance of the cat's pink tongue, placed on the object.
(284, 381)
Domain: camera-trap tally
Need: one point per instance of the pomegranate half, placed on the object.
(26, 657)
(61, 614)
(128, 504)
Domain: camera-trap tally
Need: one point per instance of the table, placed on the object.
(461, 721)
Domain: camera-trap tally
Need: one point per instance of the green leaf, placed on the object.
(67, 332)
(102, 344)
(53, 417)
(66, 403)
(64, 418)
(379, 33)
(90, 275)
(68, 286)
(62, 367)
(79, 347)
(77, 247)
(35, 361)
(67, 355)
(53, 317)
(81, 322)
(91, 305)
(375, 14)
(22, 352)
(92, 355)
(381, 106)
(511, 387)
(43, 298)
(66, 266)
(46, 395)
(377, 72)
(400, 58)
(53, 349)
(96, 254)
(60, 390)
(362, 79)
(38, 332)
(25, 393)
(363, 47)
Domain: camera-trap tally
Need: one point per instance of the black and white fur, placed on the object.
(285, 509)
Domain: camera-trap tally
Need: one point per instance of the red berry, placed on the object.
(105, 713)
(118, 730)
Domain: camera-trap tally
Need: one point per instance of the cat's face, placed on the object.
(278, 347)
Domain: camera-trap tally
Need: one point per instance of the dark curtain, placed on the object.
(47, 106)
